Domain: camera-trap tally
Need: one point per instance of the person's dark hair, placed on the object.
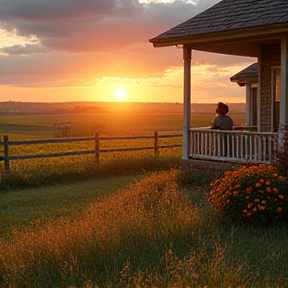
(222, 108)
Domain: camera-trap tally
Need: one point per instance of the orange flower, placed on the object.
(264, 201)
(279, 209)
(247, 197)
(249, 205)
(268, 182)
(275, 175)
(280, 178)
(275, 190)
(248, 214)
(281, 196)
(262, 180)
(258, 185)
(256, 200)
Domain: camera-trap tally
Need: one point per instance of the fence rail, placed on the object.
(97, 150)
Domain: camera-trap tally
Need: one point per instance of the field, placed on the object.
(133, 220)
(155, 231)
(116, 124)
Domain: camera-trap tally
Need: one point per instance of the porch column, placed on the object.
(186, 101)
(283, 117)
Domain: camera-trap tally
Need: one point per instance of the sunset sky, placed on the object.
(85, 50)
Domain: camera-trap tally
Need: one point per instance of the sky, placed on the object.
(71, 50)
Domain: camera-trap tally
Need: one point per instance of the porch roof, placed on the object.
(248, 74)
(230, 24)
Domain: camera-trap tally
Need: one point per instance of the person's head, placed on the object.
(222, 108)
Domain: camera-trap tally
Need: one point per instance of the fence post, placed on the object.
(156, 142)
(6, 153)
(97, 148)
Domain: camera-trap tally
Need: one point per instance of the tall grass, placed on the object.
(154, 234)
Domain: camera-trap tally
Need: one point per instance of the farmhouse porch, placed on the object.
(226, 28)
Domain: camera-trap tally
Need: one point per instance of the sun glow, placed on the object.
(120, 94)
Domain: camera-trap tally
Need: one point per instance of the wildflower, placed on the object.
(268, 182)
(275, 175)
(275, 190)
(248, 214)
(280, 178)
(256, 200)
(249, 189)
(281, 196)
(249, 205)
(258, 185)
(264, 201)
(279, 209)
(247, 197)
(262, 180)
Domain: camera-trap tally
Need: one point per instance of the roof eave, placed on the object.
(232, 35)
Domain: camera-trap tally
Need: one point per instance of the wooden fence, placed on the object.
(97, 150)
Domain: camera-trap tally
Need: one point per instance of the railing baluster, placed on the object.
(239, 146)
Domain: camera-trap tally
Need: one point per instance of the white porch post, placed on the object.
(186, 101)
(283, 117)
(248, 104)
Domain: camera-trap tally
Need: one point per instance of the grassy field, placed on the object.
(42, 126)
(155, 232)
(70, 223)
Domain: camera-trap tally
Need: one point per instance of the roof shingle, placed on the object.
(229, 15)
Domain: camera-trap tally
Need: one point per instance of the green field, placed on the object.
(67, 222)
(155, 232)
(42, 126)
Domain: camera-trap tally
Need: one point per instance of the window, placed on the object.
(276, 75)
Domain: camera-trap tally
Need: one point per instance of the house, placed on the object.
(253, 28)
(249, 78)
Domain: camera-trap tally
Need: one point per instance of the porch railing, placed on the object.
(233, 146)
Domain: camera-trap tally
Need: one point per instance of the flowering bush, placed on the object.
(256, 193)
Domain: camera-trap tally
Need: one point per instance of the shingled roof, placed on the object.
(228, 15)
(245, 75)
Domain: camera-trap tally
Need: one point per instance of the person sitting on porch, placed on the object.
(222, 121)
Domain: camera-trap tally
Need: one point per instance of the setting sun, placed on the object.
(120, 94)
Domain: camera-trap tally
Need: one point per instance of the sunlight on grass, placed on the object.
(153, 233)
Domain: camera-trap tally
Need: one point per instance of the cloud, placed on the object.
(76, 43)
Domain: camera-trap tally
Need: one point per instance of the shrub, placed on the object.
(254, 193)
